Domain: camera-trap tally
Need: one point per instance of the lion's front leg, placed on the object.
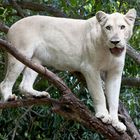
(112, 91)
(95, 88)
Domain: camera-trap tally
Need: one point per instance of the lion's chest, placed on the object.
(104, 60)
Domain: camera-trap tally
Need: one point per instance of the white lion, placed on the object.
(88, 46)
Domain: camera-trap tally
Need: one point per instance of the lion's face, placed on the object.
(117, 29)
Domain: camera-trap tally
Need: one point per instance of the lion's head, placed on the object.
(117, 29)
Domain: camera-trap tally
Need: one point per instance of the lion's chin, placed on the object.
(116, 51)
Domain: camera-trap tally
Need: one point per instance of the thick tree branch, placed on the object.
(69, 106)
(72, 108)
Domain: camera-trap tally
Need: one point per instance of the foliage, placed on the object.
(39, 122)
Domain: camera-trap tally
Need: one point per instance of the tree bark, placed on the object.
(131, 82)
(68, 106)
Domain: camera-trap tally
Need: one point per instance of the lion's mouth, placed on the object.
(116, 51)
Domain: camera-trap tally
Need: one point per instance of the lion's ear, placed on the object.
(101, 17)
(131, 15)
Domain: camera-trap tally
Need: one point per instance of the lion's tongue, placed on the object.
(116, 51)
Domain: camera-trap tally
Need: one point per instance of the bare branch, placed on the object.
(133, 54)
(131, 82)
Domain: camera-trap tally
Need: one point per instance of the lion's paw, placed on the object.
(42, 94)
(105, 117)
(119, 126)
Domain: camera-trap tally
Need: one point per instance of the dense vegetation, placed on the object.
(39, 122)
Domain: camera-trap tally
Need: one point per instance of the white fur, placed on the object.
(74, 45)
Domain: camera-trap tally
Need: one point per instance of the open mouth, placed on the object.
(116, 51)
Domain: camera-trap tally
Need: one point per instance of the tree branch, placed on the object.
(133, 54)
(28, 102)
(3, 27)
(38, 7)
(69, 106)
(131, 82)
(128, 121)
(17, 8)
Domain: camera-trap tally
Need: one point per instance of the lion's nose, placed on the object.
(115, 42)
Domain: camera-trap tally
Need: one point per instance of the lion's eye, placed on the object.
(122, 27)
(108, 27)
